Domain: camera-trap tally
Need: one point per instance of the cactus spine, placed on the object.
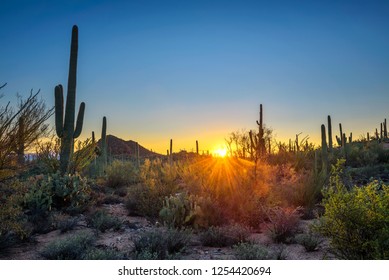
(65, 124)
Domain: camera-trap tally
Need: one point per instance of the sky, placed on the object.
(198, 70)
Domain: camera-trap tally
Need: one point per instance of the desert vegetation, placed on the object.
(114, 199)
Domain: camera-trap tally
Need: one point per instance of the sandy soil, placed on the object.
(133, 226)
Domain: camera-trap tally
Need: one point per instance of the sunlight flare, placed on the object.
(221, 152)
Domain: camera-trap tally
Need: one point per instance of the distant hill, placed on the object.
(117, 147)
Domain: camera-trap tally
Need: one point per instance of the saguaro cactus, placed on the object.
(104, 154)
(171, 152)
(65, 129)
(197, 147)
(324, 155)
(261, 149)
(329, 133)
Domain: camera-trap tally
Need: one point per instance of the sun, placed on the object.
(221, 152)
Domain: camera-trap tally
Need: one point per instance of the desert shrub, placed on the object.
(143, 201)
(13, 227)
(161, 244)
(293, 189)
(7, 240)
(178, 211)
(310, 241)
(71, 248)
(104, 254)
(65, 224)
(102, 221)
(121, 191)
(70, 193)
(356, 220)
(209, 212)
(120, 173)
(278, 253)
(284, 223)
(47, 153)
(250, 251)
(158, 180)
(111, 199)
(158, 175)
(214, 237)
(224, 236)
(38, 202)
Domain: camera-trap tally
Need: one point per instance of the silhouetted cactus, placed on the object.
(324, 155)
(261, 149)
(171, 152)
(64, 124)
(340, 139)
(329, 134)
(197, 147)
(103, 144)
(385, 130)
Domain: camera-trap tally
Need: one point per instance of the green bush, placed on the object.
(102, 221)
(157, 181)
(13, 227)
(121, 173)
(214, 237)
(66, 224)
(224, 236)
(160, 244)
(310, 241)
(103, 254)
(356, 220)
(71, 248)
(250, 251)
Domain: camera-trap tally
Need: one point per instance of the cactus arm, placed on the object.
(80, 120)
(59, 110)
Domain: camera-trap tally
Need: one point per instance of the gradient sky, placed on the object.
(198, 70)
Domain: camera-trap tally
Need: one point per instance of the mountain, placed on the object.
(117, 146)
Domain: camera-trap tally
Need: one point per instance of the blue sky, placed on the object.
(198, 70)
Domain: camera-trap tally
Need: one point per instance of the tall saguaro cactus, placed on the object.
(329, 133)
(261, 140)
(324, 154)
(171, 152)
(104, 155)
(64, 124)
